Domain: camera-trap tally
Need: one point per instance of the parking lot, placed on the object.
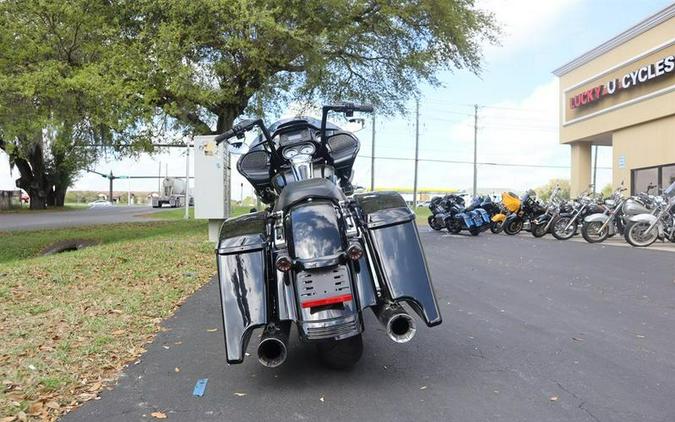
(533, 330)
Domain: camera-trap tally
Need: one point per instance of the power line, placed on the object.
(482, 163)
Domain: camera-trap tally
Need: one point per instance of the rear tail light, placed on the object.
(283, 264)
(355, 252)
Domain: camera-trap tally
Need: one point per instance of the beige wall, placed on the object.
(646, 145)
(636, 113)
(580, 168)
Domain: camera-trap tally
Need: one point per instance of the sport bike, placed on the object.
(316, 257)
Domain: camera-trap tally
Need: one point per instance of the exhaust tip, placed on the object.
(401, 328)
(272, 352)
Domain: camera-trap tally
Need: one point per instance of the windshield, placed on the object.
(307, 120)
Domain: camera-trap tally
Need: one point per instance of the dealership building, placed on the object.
(622, 94)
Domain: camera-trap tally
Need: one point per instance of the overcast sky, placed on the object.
(518, 109)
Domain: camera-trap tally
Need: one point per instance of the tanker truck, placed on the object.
(173, 193)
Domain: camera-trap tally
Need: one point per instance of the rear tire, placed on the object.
(635, 234)
(452, 227)
(513, 227)
(340, 354)
(591, 234)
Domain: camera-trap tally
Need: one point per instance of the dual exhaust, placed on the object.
(273, 347)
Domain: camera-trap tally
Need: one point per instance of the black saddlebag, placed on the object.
(393, 238)
(242, 266)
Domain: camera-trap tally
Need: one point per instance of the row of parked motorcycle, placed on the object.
(641, 219)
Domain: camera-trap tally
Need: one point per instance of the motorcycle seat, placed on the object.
(310, 188)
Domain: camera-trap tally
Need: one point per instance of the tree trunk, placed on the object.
(33, 176)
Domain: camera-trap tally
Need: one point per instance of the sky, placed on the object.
(518, 113)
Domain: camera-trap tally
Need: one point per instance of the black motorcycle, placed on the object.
(530, 208)
(451, 212)
(317, 258)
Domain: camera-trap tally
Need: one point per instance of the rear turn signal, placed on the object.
(283, 264)
(355, 252)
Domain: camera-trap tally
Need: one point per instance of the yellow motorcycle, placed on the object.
(510, 204)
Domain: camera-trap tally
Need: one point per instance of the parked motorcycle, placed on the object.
(541, 224)
(644, 229)
(316, 258)
(601, 225)
(528, 210)
(567, 224)
(472, 218)
(510, 204)
(438, 213)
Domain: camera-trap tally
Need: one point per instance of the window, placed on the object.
(667, 176)
(643, 178)
(659, 176)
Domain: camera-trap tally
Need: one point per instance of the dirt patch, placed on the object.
(69, 245)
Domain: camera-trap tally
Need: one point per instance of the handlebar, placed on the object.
(347, 108)
(240, 129)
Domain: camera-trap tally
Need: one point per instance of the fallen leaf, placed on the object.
(8, 419)
(35, 408)
(321, 399)
(52, 405)
(118, 332)
(554, 398)
(240, 394)
(158, 415)
(639, 336)
(176, 370)
(424, 387)
(577, 339)
(22, 416)
(212, 330)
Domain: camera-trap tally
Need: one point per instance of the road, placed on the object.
(84, 217)
(533, 330)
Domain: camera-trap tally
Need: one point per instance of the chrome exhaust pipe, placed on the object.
(273, 346)
(398, 324)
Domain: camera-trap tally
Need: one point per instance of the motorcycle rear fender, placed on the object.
(597, 217)
(242, 269)
(392, 237)
(466, 218)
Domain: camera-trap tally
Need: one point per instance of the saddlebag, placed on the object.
(392, 237)
(242, 270)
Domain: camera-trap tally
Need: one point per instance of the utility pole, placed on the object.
(159, 179)
(417, 148)
(475, 150)
(595, 170)
(372, 159)
(110, 179)
(128, 192)
(187, 181)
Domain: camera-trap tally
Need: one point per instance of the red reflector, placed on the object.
(326, 301)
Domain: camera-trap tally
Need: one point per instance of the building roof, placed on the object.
(641, 27)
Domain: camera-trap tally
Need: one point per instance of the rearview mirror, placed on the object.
(355, 124)
(237, 147)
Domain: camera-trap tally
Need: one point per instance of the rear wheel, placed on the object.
(563, 230)
(452, 226)
(340, 354)
(593, 233)
(637, 235)
(513, 227)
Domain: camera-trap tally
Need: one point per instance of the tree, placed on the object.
(59, 92)
(544, 192)
(202, 63)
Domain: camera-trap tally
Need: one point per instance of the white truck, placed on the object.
(173, 193)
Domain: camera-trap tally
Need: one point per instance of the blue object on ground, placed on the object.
(200, 387)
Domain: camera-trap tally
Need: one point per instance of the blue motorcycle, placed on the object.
(458, 217)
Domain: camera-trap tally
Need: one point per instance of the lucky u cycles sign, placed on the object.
(635, 78)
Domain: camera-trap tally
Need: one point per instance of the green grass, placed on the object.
(179, 213)
(69, 322)
(422, 213)
(67, 207)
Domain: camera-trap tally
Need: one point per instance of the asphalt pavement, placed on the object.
(533, 330)
(84, 217)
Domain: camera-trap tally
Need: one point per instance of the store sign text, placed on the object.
(629, 80)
